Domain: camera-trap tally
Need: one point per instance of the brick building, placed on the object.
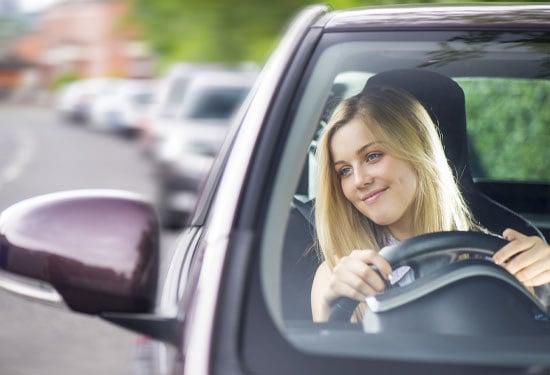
(86, 38)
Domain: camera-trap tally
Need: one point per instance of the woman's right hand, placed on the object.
(353, 276)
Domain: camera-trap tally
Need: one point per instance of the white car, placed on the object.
(123, 107)
(169, 97)
(187, 143)
(76, 99)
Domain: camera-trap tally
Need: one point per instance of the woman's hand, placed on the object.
(527, 258)
(353, 277)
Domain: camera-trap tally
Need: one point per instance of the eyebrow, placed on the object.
(358, 152)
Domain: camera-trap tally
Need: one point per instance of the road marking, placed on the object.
(24, 151)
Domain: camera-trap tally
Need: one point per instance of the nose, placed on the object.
(362, 177)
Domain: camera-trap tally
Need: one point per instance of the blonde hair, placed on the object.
(404, 125)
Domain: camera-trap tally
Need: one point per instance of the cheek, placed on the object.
(410, 183)
(347, 188)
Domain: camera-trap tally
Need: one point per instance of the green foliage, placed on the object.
(223, 30)
(214, 30)
(508, 121)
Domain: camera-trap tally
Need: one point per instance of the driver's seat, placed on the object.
(443, 98)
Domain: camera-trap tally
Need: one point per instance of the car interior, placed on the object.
(497, 203)
(444, 100)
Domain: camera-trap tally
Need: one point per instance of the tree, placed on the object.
(508, 122)
(214, 30)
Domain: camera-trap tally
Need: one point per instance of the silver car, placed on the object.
(187, 143)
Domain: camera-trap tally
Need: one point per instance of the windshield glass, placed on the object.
(500, 160)
(216, 103)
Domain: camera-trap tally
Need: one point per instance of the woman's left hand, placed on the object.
(526, 257)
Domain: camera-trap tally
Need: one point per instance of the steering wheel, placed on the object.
(423, 253)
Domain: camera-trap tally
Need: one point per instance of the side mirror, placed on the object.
(98, 249)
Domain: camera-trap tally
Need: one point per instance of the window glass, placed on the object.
(142, 99)
(216, 102)
(507, 91)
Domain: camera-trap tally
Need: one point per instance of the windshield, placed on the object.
(215, 103)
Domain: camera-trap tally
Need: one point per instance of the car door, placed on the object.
(250, 332)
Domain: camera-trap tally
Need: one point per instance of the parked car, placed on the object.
(186, 145)
(236, 297)
(167, 103)
(75, 99)
(124, 107)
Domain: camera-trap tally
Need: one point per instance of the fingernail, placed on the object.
(390, 276)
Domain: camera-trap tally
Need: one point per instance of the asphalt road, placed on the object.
(40, 153)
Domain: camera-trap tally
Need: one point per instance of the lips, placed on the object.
(373, 196)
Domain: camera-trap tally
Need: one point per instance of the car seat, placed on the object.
(299, 262)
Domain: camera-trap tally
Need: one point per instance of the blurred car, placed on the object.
(75, 99)
(187, 143)
(236, 296)
(124, 107)
(168, 99)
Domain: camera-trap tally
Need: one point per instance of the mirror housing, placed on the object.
(99, 249)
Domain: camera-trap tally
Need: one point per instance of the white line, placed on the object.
(24, 151)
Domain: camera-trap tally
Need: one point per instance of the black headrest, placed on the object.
(443, 98)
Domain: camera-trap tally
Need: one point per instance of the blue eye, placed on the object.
(373, 156)
(342, 172)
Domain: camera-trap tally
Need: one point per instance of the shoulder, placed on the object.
(322, 276)
(323, 269)
(319, 308)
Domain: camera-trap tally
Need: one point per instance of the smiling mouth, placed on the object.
(373, 196)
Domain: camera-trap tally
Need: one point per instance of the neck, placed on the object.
(399, 233)
(403, 228)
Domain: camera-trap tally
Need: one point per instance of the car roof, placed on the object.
(190, 69)
(439, 16)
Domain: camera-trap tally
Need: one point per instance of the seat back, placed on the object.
(299, 261)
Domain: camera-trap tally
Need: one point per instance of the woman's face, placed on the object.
(380, 186)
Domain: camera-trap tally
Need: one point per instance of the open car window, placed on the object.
(505, 79)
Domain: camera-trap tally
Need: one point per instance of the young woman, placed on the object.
(383, 177)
